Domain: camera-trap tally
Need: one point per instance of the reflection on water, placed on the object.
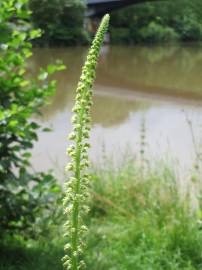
(163, 84)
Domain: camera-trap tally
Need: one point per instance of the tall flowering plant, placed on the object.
(76, 187)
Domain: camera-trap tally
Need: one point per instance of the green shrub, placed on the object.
(61, 22)
(155, 32)
(157, 22)
(120, 35)
(188, 27)
(21, 192)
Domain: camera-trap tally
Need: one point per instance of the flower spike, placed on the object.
(76, 187)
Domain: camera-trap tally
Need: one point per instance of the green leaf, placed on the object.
(35, 33)
(13, 123)
(43, 75)
(27, 155)
(47, 129)
(24, 83)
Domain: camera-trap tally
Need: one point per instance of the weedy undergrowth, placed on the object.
(76, 187)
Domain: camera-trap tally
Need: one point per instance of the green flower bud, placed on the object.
(65, 258)
(86, 135)
(72, 136)
(74, 119)
(67, 247)
(69, 167)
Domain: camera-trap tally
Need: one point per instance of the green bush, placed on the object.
(21, 192)
(60, 21)
(157, 22)
(188, 27)
(120, 35)
(155, 32)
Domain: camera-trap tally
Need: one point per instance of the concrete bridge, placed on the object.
(97, 8)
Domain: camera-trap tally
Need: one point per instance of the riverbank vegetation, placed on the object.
(61, 22)
(22, 192)
(164, 21)
(138, 219)
(151, 22)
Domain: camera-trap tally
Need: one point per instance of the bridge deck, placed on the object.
(100, 7)
(95, 2)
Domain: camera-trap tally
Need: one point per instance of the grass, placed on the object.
(40, 254)
(137, 222)
(142, 222)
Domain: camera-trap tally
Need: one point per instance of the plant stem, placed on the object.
(76, 188)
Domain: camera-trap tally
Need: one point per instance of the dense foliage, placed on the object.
(161, 21)
(22, 193)
(61, 21)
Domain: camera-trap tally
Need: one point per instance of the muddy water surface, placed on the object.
(158, 86)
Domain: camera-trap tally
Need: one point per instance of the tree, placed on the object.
(60, 20)
(158, 22)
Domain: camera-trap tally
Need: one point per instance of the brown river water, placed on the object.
(159, 86)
